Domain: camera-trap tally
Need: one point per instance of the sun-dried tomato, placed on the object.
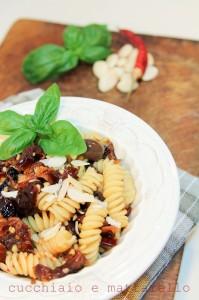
(48, 174)
(69, 170)
(108, 242)
(109, 229)
(74, 262)
(43, 273)
(129, 210)
(109, 152)
(2, 253)
(14, 232)
(29, 156)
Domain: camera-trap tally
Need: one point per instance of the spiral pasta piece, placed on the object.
(21, 263)
(61, 242)
(39, 223)
(129, 188)
(45, 200)
(63, 210)
(90, 235)
(49, 260)
(91, 181)
(114, 191)
(99, 165)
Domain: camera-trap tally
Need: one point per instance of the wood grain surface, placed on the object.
(170, 103)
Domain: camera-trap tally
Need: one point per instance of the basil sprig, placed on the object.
(87, 44)
(59, 138)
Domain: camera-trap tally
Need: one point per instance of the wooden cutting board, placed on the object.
(170, 103)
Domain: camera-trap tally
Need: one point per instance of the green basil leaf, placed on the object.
(29, 121)
(16, 143)
(70, 62)
(65, 140)
(11, 121)
(97, 35)
(45, 131)
(94, 53)
(73, 37)
(47, 107)
(42, 63)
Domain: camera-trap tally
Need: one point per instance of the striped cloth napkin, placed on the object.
(187, 218)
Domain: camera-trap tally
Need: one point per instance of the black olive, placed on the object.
(7, 208)
(25, 202)
(13, 173)
(94, 150)
(3, 185)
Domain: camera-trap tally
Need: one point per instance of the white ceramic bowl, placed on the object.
(157, 202)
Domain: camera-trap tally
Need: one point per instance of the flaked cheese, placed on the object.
(63, 190)
(79, 163)
(79, 196)
(11, 194)
(50, 232)
(56, 162)
(113, 222)
(52, 189)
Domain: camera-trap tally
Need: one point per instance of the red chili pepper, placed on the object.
(141, 61)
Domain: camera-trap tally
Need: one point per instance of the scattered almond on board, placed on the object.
(117, 70)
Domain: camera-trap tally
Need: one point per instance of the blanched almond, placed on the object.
(118, 71)
(122, 62)
(127, 83)
(100, 68)
(150, 73)
(112, 60)
(107, 81)
(131, 61)
(126, 50)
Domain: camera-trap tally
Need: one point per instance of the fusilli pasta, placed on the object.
(99, 165)
(114, 191)
(49, 260)
(38, 223)
(63, 210)
(21, 263)
(61, 242)
(45, 200)
(129, 188)
(90, 237)
(91, 181)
